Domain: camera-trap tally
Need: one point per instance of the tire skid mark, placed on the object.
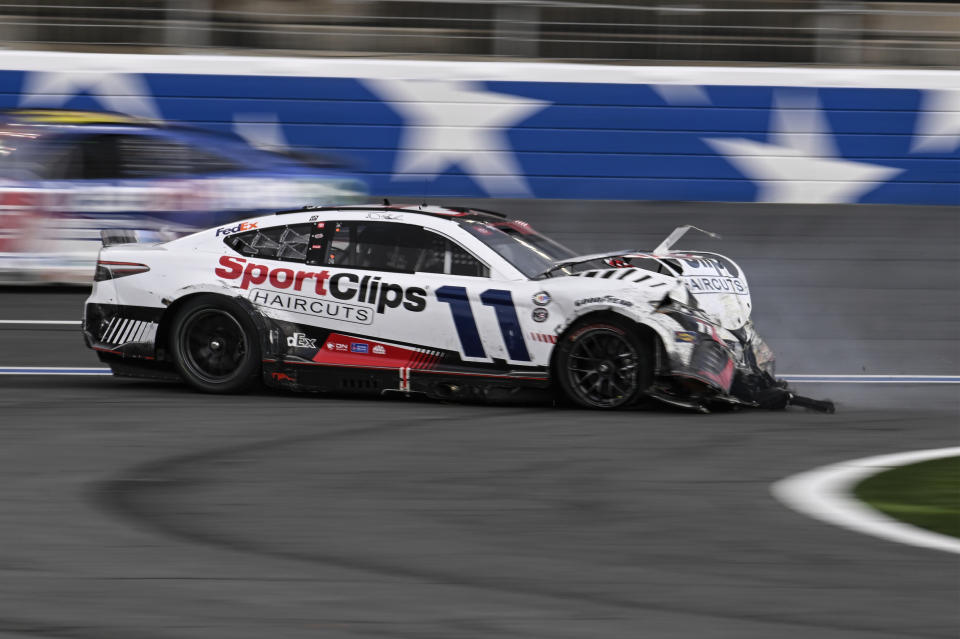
(72, 631)
(121, 497)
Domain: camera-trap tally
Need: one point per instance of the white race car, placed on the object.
(448, 302)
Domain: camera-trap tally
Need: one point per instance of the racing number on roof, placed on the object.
(502, 303)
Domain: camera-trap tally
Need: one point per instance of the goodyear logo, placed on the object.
(686, 336)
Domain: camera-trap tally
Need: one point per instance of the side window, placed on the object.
(290, 243)
(85, 157)
(444, 256)
(391, 246)
(204, 161)
(144, 156)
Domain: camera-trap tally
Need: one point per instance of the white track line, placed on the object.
(825, 493)
(822, 379)
(28, 322)
(53, 370)
(872, 379)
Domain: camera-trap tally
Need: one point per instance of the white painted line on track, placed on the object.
(872, 379)
(825, 379)
(53, 370)
(825, 493)
(29, 322)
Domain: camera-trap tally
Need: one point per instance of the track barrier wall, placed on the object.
(426, 129)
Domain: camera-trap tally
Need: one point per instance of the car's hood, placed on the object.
(715, 281)
(718, 284)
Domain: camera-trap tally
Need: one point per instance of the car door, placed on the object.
(426, 292)
(380, 311)
(479, 318)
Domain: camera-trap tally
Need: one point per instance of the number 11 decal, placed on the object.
(466, 325)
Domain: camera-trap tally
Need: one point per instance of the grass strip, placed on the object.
(926, 495)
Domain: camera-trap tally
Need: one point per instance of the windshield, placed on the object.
(517, 242)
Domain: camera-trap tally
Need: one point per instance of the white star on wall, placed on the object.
(262, 130)
(119, 92)
(938, 123)
(682, 94)
(801, 162)
(455, 123)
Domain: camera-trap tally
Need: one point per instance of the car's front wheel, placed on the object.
(215, 345)
(604, 364)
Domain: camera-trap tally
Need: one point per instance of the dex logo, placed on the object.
(300, 340)
(230, 230)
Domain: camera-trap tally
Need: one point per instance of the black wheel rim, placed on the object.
(213, 344)
(602, 368)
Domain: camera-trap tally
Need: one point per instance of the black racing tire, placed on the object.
(604, 363)
(215, 345)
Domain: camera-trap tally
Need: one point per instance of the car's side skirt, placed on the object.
(369, 379)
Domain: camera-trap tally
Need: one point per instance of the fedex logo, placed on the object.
(230, 230)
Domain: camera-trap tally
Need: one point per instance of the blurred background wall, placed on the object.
(740, 31)
(663, 132)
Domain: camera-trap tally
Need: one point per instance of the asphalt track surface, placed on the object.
(132, 509)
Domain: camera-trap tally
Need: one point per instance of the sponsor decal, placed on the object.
(542, 298)
(384, 215)
(326, 309)
(313, 218)
(230, 230)
(700, 284)
(685, 336)
(706, 275)
(348, 350)
(544, 337)
(366, 289)
(300, 340)
(281, 377)
(606, 299)
(540, 315)
(723, 268)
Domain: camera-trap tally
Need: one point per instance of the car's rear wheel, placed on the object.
(215, 345)
(604, 364)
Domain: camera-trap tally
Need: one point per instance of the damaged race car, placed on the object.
(448, 302)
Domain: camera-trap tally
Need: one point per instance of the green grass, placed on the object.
(925, 494)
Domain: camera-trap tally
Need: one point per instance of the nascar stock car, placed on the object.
(66, 175)
(448, 302)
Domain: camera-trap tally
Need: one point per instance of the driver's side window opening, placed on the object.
(286, 243)
(391, 246)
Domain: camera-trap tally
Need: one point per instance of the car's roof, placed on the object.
(451, 213)
(56, 123)
(61, 120)
(70, 117)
